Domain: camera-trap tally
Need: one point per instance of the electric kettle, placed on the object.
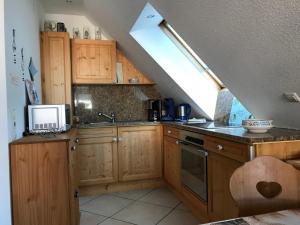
(184, 112)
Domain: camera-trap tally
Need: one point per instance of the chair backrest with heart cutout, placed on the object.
(265, 184)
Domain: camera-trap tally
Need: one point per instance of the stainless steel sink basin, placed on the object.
(98, 124)
(102, 123)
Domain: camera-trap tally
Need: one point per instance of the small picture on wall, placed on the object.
(14, 46)
(76, 33)
(86, 33)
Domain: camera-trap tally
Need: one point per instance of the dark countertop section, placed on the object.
(237, 134)
(51, 137)
(241, 135)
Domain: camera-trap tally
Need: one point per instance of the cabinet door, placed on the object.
(56, 68)
(74, 181)
(130, 71)
(40, 188)
(172, 162)
(98, 160)
(94, 62)
(221, 204)
(140, 152)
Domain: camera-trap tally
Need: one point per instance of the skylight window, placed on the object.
(178, 60)
(189, 52)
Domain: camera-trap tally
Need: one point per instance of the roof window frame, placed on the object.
(190, 53)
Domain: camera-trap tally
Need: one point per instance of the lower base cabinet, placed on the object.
(172, 162)
(140, 152)
(98, 156)
(118, 154)
(44, 181)
(220, 203)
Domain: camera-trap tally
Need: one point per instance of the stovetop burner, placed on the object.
(214, 125)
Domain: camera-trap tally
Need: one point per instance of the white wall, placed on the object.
(5, 211)
(24, 16)
(78, 21)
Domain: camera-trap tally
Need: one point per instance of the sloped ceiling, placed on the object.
(252, 46)
(74, 7)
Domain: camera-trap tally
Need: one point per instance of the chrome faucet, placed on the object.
(112, 116)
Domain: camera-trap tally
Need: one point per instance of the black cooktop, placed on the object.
(213, 125)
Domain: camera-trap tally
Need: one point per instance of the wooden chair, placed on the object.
(265, 184)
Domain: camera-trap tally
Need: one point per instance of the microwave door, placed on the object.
(45, 118)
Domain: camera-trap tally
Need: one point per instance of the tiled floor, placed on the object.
(139, 207)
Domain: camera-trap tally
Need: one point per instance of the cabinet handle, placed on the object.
(169, 132)
(77, 140)
(115, 139)
(73, 148)
(120, 139)
(177, 142)
(219, 147)
(76, 194)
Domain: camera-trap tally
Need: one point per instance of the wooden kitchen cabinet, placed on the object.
(56, 68)
(44, 180)
(130, 71)
(140, 152)
(172, 162)
(220, 202)
(74, 180)
(93, 61)
(98, 156)
(224, 157)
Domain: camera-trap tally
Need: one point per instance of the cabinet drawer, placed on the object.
(171, 132)
(97, 132)
(230, 149)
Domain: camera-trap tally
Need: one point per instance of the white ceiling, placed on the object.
(252, 46)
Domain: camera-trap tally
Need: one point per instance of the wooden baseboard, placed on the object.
(120, 187)
(197, 207)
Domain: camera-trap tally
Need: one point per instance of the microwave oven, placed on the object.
(49, 118)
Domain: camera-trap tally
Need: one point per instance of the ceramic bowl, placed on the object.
(258, 129)
(257, 123)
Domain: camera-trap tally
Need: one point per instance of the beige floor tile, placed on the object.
(85, 199)
(162, 197)
(179, 217)
(114, 222)
(142, 213)
(183, 207)
(90, 219)
(134, 194)
(106, 205)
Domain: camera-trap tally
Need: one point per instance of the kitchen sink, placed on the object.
(98, 124)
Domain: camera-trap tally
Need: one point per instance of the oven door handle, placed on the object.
(200, 151)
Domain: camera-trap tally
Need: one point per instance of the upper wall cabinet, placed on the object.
(56, 67)
(130, 71)
(93, 61)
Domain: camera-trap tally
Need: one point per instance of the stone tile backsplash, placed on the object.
(128, 102)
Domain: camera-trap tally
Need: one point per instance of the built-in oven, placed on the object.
(194, 163)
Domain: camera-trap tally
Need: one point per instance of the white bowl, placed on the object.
(257, 123)
(257, 129)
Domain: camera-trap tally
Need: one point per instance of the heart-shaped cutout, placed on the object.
(268, 189)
